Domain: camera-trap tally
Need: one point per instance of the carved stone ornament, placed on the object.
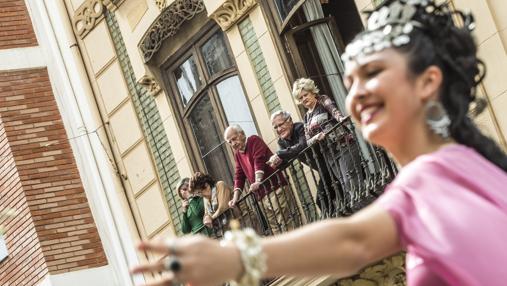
(151, 84)
(86, 17)
(231, 11)
(167, 24)
(160, 4)
(89, 14)
(390, 272)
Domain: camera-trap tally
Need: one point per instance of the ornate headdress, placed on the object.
(392, 23)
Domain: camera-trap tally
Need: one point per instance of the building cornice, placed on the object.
(167, 24)
(231, 11)
(90, 13)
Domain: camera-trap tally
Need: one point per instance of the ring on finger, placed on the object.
(172, 263)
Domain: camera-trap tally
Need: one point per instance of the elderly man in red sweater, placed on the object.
(251, 155)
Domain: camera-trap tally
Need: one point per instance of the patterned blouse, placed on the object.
(322, 118)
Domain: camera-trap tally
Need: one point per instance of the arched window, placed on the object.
(208, 95)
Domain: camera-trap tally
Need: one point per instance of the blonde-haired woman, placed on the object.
(342, 153)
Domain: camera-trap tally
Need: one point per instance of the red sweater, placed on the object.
(254, 159)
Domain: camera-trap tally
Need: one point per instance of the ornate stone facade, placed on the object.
(160, 4)
(167, 24)
(150, 84)
(390, 272)
(231, 12)
(89, 14)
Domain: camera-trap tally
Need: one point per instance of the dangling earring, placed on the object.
(437, 118)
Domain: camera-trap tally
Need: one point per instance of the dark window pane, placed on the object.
(215, 54)
(209, 139)
(187, 78)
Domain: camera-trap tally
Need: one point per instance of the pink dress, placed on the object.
(450, 208)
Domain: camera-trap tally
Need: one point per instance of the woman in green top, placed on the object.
(193, 210)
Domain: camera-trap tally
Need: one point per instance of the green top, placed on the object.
(192, 218)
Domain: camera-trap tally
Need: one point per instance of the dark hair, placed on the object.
(180, 184)
(200, 180)
(440, 42)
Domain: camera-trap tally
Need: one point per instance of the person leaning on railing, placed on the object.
(216, 196)
(341, 150)
(292, 144)
(269, 187)
(193, 210)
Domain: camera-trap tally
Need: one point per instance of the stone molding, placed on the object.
(90, 13)
(161, 4)
(231, 11)
(150, 84)
(390, 272)
(167, 24)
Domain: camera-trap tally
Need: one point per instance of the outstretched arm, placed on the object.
(336, 246)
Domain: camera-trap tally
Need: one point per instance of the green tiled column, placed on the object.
(258, 62)
(151, 123)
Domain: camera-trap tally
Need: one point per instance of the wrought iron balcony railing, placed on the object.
(345, 173)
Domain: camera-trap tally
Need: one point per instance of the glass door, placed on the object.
(209, 96)
(208, 136)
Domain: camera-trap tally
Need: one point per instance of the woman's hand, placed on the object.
(203, 261)
(320, 136)
(207, 221)
(274, 161)
(184, 205)
(235, 198)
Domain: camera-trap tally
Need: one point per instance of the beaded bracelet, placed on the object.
(252, 256)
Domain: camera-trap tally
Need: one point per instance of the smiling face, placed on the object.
(283, 126)
(385, 98)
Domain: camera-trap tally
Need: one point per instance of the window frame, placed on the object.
(182, 112)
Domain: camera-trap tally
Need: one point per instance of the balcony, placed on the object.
(316, 187)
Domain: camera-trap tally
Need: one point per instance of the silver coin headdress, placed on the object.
(391, 25)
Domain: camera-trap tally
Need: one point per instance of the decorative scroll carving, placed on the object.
(167, 24)
(160, 4)
(151, 84)
(87, 16)
(90, 13)
(390, 272)
(231, 11)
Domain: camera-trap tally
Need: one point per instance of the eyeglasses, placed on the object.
(276, 126)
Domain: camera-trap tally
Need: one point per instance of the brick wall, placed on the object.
(15, 25)
(55, 224)
(21, 238)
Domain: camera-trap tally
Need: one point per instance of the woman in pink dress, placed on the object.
(411, 78)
